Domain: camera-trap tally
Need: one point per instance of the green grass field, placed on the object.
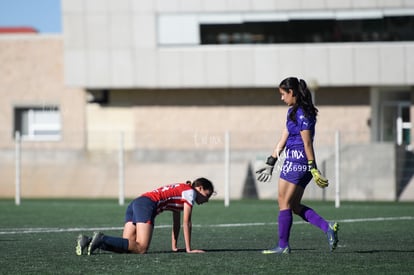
(38, 237)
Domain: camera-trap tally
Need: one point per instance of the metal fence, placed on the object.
(125, 164)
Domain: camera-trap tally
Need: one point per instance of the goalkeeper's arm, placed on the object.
(320, 180)
(280, 146)
(307, 142)
(265, 172)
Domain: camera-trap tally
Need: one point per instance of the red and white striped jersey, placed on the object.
(172, 197)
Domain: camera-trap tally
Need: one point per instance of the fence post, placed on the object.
(337, 168)
(227, 169)
(121, 166)
(17, 168)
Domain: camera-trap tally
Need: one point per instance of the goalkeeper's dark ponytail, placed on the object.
(303, 97)
(307, 102)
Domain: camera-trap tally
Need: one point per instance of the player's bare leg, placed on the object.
(139, 236)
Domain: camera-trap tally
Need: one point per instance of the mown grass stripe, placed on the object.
(13, 231)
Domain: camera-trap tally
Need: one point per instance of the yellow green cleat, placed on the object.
(277, 250)
(332, 235)
(82, 242)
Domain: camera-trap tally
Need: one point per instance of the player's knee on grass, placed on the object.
(137, 248)
(141, 249)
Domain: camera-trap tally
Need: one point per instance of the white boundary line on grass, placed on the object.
(14, 231)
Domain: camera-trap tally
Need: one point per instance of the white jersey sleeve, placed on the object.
(189, 196)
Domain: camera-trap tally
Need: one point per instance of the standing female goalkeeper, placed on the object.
(299, 166)
(140, 216)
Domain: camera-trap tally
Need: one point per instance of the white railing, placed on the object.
(225, 158)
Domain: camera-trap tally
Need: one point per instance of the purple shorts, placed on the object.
(296, 173)
(141, 210)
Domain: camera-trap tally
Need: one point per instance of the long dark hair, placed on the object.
(205, 183)
(303, 97)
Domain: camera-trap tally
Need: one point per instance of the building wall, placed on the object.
(155, 118)
(31, 74)
(115, 44)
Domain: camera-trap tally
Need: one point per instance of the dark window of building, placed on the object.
(398, 28)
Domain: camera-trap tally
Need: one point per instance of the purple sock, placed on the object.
(285, 223)
(309, 215)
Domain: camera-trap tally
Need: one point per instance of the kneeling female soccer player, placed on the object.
(140, 216)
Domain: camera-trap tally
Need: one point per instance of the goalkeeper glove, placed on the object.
(320, 180)
(265, 172)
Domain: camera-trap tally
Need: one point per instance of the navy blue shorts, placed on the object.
(141, 210)
(296, 173)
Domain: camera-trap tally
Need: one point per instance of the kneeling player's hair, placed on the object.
(203, 182)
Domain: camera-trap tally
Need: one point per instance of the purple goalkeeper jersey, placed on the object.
(295, 150)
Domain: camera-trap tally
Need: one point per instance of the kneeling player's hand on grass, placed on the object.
(320, 180)
(265, 172)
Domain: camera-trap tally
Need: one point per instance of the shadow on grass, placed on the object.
(219, 250)
(384, 251)
(207, 250)
(233, 250)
